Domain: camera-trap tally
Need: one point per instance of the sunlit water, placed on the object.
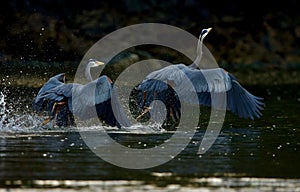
(265, 148)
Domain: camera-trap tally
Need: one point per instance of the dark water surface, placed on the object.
(255, 152)
(265, 148)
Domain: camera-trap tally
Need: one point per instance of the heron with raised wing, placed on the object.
(57, 97)
(158, 86)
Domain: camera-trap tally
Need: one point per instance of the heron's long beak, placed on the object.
(99, 63)
(209, 29)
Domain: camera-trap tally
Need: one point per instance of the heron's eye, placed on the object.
(203, 32)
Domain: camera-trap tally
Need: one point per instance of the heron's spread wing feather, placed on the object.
(40, 102)
(84, 101)
(94, 92)
(86, 97)
(243, 103)
(185, 80)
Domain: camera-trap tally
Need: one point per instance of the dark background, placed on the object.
(256, 34)
(256, 41)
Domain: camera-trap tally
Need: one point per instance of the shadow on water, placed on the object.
(266, 147)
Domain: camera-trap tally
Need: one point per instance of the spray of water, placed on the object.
(3, 117)
(13, 121)
(16, 120)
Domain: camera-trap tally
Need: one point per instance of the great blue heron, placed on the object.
(56, 97)
(158, 86)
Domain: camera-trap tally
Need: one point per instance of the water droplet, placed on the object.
(273, 155)
(72, 144)
(45, 155)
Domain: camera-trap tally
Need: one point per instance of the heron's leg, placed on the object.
(55, 110)
(146, 110)
(46, 121)
(172, 114)
(144, 97)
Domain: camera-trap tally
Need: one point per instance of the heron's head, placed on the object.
(94, 63)
(203, 33)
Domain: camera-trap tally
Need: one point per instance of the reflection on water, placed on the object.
(268, 147)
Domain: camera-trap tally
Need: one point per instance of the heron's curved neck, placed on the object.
(199, 53)
(87, 73)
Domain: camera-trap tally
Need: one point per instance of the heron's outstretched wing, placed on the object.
(40, 102)
(186, 80)
(95, 98)
(205, 83)
(238, 100)
(111, 112)
(85, 97)
(243, 103)
(101, 89)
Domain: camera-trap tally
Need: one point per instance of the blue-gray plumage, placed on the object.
(38, 102)
(63, 100)
(84, 101)
(204, 82)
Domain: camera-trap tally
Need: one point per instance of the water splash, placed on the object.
(12, 121)
(3, 117)
(17, 119)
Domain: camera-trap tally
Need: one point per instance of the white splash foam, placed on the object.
(16, 121)
(10, 121)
